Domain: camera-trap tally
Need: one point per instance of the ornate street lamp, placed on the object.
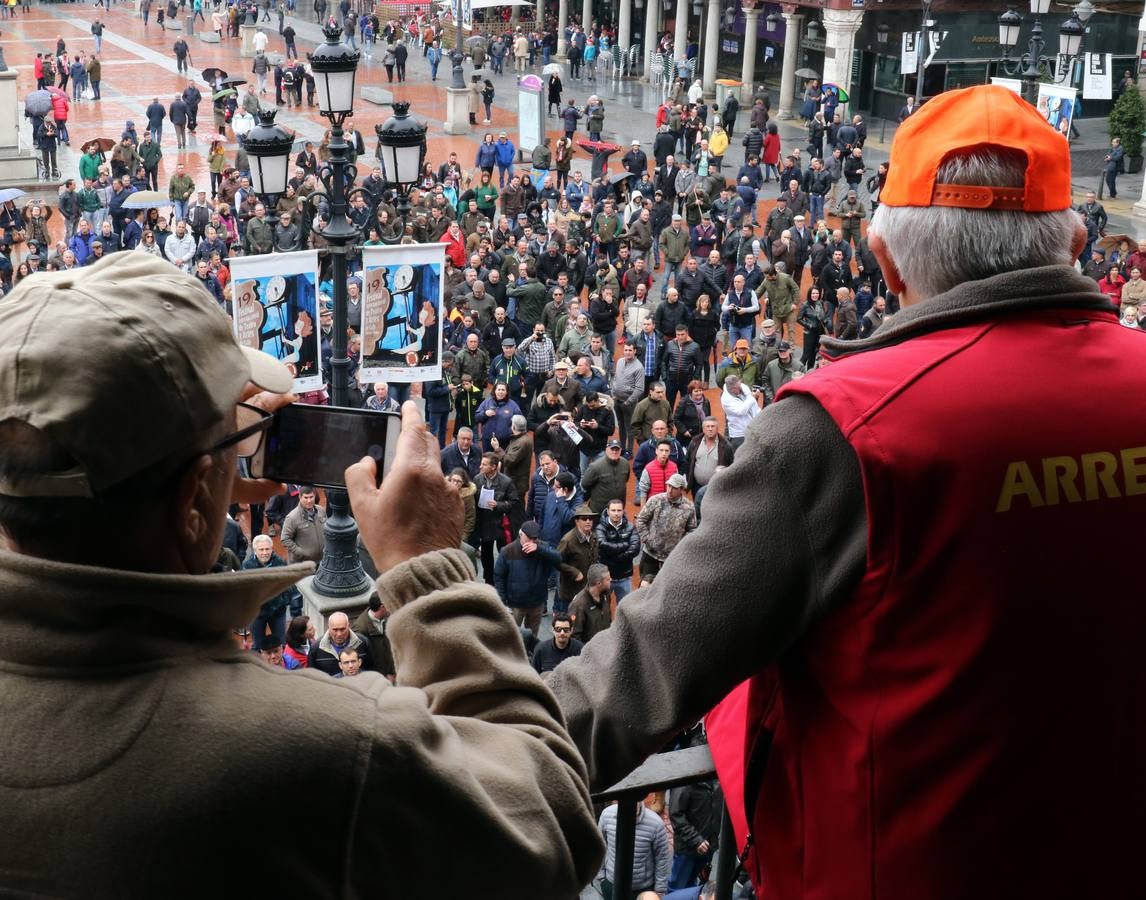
(771, 21)
(340, 573)
(401, 151)
(881, 34)
(268, 149)
(1034, 65)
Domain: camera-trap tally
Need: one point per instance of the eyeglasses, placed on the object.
(561, 629)
(251, 425)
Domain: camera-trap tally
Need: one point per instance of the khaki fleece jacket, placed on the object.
(143, 755)
(783, 541)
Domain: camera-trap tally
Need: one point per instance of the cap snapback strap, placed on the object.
(970, 196)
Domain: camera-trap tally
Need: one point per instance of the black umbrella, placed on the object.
(235, 79)
(209, 75)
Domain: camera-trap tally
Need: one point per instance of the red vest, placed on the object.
(658, 475)
(972, 723)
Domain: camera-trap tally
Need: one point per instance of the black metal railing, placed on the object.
(659, 772)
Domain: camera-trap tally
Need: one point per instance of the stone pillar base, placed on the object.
(247, 35)
(457, 111)
(1138, 210)
(319, 607)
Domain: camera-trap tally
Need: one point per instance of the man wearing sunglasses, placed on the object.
(117, 663)
(548, 655)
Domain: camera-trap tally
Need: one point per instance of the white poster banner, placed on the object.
(934, 40)
(402, 290)
(909, 55)
(1011, 84)
(1056, 104)
(275, 306)
(1098, 76)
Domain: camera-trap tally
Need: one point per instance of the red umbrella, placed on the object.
(598, 146)
(55, 90)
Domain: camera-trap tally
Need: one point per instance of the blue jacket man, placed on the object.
(556, 513)
(521, 575)
(506, 151)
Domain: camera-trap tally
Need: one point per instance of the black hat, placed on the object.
(784, 347)
(531, 530)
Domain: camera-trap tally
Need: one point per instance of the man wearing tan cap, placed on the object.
(139, 744)
(907, 570)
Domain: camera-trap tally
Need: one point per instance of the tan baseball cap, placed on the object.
(123, 364)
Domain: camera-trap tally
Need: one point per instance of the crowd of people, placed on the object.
(591, 330)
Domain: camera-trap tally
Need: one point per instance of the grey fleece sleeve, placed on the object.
(470, 731)
(783, 540)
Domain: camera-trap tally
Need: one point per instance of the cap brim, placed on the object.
(267, 372)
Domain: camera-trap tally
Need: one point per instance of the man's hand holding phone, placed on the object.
(415, 510)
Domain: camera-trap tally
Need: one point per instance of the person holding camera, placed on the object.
(116, 472)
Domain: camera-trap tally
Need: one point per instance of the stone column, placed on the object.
(625, 25)
(514, 15)
(247, 40)
(17, 168)
(586, 15)
(680, 36)
(562, 24)
(711, 47)
(652, 13)
(539, 14)
(748, 66)
(793, 30)
(840, 26)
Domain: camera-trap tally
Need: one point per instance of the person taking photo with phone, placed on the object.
(118, 666)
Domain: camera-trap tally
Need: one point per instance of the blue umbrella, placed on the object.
(11, 194)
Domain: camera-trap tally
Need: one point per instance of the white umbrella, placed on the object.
(551, 69)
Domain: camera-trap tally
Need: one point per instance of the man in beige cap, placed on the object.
(139, 745)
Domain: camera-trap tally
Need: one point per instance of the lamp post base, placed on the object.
(340, 573)
(457, 111)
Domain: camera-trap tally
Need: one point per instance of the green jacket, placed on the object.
(783, 293)
(608, 227)
(747, 371)
(181, 187)
(149, 155)
(260, 236)
(531, 299)
(89, 166)
(486, 196)
(674, 244)
(88, 199)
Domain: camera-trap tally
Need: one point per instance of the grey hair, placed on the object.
(937, 248)
(260, 539)
(518, 424)
(597, 573)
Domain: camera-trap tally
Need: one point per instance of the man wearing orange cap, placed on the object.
(937, 688)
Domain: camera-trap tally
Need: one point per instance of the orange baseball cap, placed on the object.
(967, 119)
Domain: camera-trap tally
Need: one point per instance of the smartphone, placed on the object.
(315, 444)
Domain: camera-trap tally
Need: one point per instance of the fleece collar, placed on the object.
(1047, 287)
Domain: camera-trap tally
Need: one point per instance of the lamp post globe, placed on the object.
(401, 147)
(268, 149)
(1009, 24)
(334, 66)
(1070, 37)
